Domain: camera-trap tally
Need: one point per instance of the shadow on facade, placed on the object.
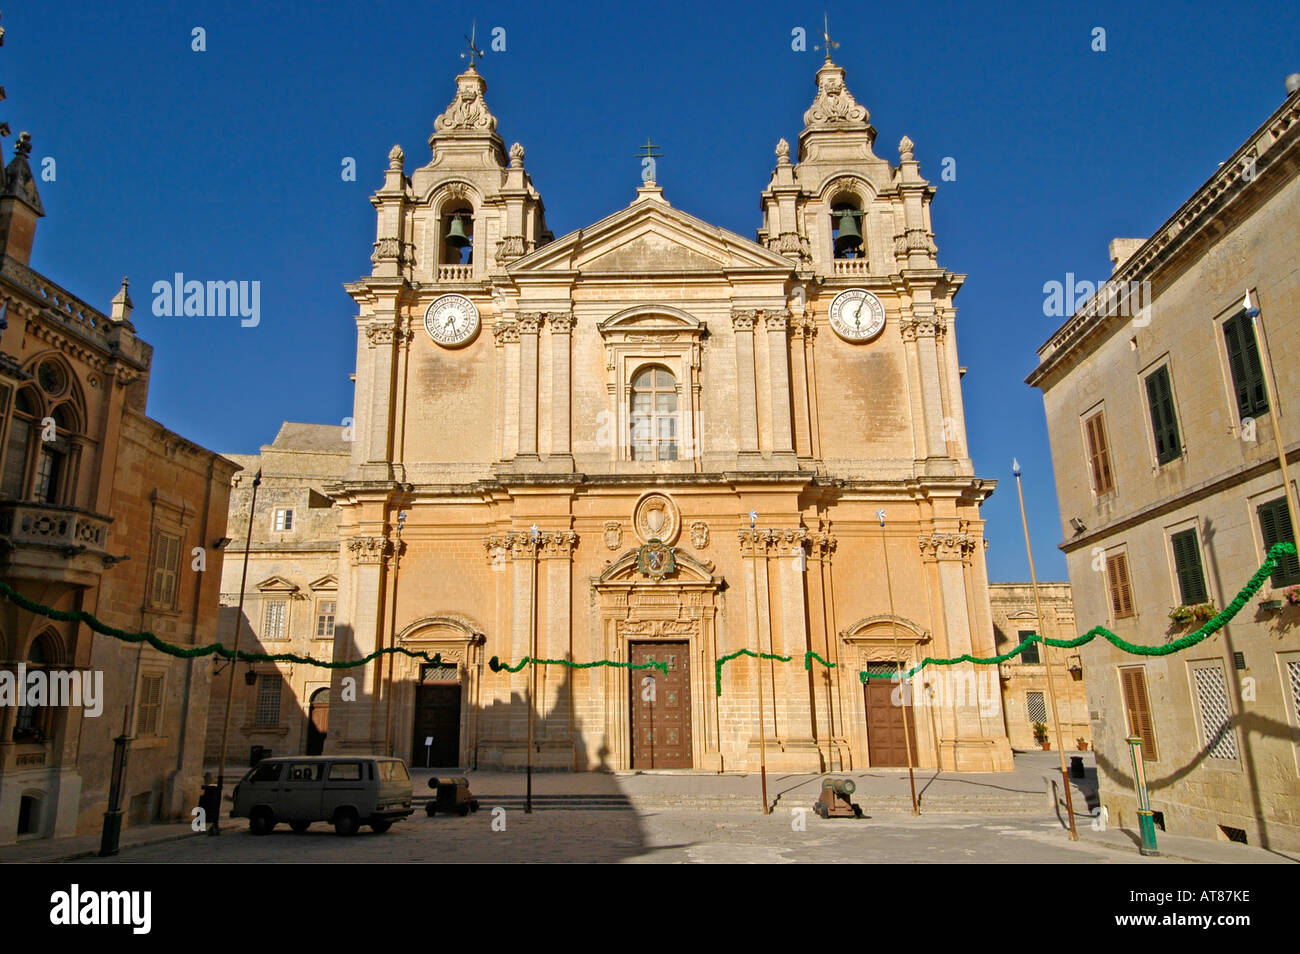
(255, 719)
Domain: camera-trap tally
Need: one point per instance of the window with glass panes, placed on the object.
(325, 619)
(268, 701)
(653, 424)
(1030, 652)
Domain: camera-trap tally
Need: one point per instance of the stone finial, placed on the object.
(395, 158)
(905, 147)
(783, 152)
(834, 105)
(469, 109)
(516, 156)
(23, 146)
(122, 305)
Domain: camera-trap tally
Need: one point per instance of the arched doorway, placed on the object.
(318, 721)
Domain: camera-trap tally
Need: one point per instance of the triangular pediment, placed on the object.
(328, 582)
(648, 237)
(277, 584)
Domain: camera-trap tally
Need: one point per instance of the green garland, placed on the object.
(80, 616)
(496, 665)
(1275, 553)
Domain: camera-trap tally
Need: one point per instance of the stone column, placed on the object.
(381, 332)
(778, 329)
(742, 323)
(561, 402)
(555, 641)
(529, 325)
(356, 731)
(505, 331)
(921, 330)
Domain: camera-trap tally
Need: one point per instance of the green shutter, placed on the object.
(1275, 527)
(1187, 564)
(1164, 421)
(1243, 361)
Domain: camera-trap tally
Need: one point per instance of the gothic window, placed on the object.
(23, 425)
(32, 722)
(652, 417)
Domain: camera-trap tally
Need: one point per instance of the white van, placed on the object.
(346, 791)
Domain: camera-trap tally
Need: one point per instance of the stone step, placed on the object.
(1014, 803)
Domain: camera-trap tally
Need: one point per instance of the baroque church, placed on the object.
(651, 439)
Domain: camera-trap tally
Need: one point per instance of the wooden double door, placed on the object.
(436, 718)
(661, 706)
(887, 739)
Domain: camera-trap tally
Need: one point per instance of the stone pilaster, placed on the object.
(561, 325)
(777, 324)
(529, 326)
(742, 323)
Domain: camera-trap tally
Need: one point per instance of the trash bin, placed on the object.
(257, 753)
(1076, 766)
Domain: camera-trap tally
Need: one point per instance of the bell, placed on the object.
(456, 236)
(849, 238)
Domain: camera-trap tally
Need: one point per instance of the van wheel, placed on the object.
(462, 810)
(430, 809)
(261, 821)
(300, 826)
(346, 822)
(379, 827)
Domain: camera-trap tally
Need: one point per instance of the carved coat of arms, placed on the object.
(613, 534)
(655, 559)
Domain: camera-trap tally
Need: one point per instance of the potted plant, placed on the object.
(1181, 615)
(1040, 736)
(1082, 743)
(1203, 612)
(1292, 595)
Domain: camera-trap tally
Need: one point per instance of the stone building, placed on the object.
(655, 439)
(103, 510)
(290, 599)
(1166, 461)
(1025, 696)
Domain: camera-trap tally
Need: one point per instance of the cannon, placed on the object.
(450, 795)
(835, 800)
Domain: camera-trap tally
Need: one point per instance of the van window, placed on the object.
(345, 771)
(266, 772)
(393, 771)
(305, 772)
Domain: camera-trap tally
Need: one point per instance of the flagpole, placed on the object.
(762, 719)
(1047, 657)
(1270, 396)
(906, 690)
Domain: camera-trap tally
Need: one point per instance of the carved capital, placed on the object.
(380, 332)
(530, 322)
(510, 248)
(505, 330)
(557, 543)
(776, 321)
(743, 319)
(561, 322)
(369, 550)
(945, 546)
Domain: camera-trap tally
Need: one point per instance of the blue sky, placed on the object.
(225, 164)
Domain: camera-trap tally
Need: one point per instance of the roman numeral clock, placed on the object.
(856, 315)
(452, 321)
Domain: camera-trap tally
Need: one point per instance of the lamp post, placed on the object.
(762, 728)
(230, 680)
(905, 690)
(392, 633)
(531, 685)
(1047, 656)
(1146, 820)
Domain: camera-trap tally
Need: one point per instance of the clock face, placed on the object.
(452, 320)
(857, 315)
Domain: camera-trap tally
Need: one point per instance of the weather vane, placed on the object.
(473, 47)
(826, 39)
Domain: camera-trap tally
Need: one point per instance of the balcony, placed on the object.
(51, 543)
(455, 273)
(852, 266)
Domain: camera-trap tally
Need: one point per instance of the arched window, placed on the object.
(32, 722)
(23, 426)
(52, 472)
(458, 236)
(652, 418)
(846, 228)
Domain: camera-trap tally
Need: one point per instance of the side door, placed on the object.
(300, 792)
(349, 782)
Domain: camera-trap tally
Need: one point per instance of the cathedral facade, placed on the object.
(653, 439)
